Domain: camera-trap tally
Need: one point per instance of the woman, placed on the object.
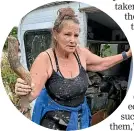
(62, 69)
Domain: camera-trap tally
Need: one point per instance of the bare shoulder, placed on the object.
(42, 59)
(45, 55)
(82, 51)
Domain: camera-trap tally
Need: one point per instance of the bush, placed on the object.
(9, 78)
(13, 32)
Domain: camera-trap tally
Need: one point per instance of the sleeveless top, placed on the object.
(67, 91)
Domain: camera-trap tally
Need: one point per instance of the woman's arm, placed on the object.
(39, 76)
(95, 63)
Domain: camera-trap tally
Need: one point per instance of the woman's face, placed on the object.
(67, 38)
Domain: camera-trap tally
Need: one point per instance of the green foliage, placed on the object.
(9, 78)
(7, 74)
(106, 50)
(13, 32)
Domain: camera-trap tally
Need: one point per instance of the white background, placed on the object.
(11, 12)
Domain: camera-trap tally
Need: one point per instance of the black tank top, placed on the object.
(67, 91)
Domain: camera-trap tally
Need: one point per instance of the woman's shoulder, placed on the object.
(82, 50)
(44, 55)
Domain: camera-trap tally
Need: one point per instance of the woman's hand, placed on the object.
(22, 88)
(129, 53)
